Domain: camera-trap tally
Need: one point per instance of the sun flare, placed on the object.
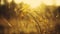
(57, 2)
(9, 1)
(33, 3)
(17, 1)
(36, 3)
(48, 2)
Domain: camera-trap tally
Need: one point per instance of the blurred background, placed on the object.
(29, 16)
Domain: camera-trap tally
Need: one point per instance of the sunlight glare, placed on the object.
(2, 2)
(48, 2)
(9, 1)
(17, 1)
(36, 3)
(57, 2)
(33, 3)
